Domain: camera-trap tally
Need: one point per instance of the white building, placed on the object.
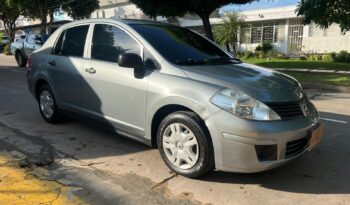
(282, 27)
(118, 9)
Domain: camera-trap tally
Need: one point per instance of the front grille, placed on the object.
(287, 110)
(296, 147)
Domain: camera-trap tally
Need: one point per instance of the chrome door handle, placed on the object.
(90, 70)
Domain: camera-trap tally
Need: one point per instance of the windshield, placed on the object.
(182, 46)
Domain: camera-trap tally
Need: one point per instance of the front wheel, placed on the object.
(21, 60)
(185, 145)
(47, 105)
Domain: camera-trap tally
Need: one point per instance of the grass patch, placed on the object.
(301, 64)
(330, 79)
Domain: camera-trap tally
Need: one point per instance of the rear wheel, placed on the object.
(21, 60)
(185, 145)
(47, 105)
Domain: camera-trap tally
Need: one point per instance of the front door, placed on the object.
(295, 37)
(113, 93)
(65, 67)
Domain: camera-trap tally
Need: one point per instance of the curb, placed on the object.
(342, 72)
(321, 87)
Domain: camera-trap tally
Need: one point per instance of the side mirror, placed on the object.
(132, 60)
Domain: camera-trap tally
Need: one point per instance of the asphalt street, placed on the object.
(110, 169)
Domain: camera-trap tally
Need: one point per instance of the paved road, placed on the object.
(114, 170)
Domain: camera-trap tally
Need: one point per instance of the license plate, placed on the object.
(316, 136)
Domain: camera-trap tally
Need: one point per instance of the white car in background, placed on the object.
(23, 46)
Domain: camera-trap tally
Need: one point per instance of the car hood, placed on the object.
(263, 84)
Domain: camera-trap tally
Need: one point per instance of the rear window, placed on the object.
(72, 41)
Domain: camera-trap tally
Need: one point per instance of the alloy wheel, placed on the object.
(46, 104)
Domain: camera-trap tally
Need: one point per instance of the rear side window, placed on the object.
(109, 42)
(72, 41)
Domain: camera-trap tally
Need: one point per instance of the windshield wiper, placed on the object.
(223, 59)
(190, 61)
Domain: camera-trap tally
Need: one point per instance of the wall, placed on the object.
(318, 40)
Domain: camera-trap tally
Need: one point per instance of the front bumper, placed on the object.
(235, 140)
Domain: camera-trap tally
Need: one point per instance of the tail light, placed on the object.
(29, 64)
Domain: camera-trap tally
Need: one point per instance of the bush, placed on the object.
(327, 57)
(334, 56)
(264, 47)
(246, 54)
(342, 56)
(7, 49)
(2, 47)
(314, 57)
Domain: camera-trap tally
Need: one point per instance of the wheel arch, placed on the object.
(38, 84)
(166, 110)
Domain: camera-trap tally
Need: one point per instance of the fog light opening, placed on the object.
(266, 152)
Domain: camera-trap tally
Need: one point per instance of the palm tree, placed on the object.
(228, 32)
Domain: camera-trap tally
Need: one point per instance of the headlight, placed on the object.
(243, 105)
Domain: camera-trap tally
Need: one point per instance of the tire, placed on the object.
(185, 144)
(47, 105)
(21, 60)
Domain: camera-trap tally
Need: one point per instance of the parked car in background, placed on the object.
(20, 38)
(169, 87)
(4, 40)
(22, 48)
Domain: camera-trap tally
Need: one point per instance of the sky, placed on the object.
(262, 4)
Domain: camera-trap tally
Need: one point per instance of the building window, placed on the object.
(268, 34)
(256, 35)
(272, 31)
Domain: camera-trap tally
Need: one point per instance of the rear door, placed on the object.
(65, 66)
(113, 93)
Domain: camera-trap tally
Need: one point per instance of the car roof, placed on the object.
(123, 21)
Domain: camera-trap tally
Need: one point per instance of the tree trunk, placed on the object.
(228, 48)
(10, 28)
(234, 49)
(206, 25)
(43, 24)
(50, 23)
(43, 15)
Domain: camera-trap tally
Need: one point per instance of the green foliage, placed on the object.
(81, 8)
(1, 44)
(246, 54)
(167, 8)
(264, 47)
(314, 57)
(343, 56)
(228, 32)
(325, 12)
(7, 49)
(9, 12)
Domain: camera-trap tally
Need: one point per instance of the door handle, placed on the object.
(90, 70)
(52, 63)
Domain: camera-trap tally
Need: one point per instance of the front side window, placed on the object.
(108, 42)
(72, 41)
(179, 45)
